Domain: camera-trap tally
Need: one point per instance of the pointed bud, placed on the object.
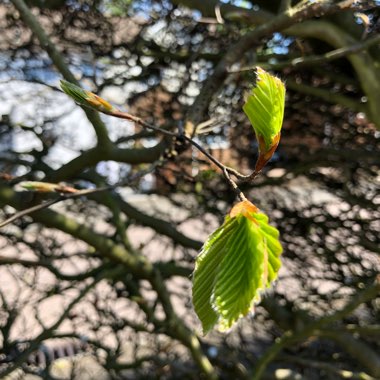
(86, 98)
(45, 187)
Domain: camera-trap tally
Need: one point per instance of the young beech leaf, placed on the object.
(86, 98)
(237, 262)
(265, 110)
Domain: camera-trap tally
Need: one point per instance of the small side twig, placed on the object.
(225, 169)
(72, 195)
(30, 210)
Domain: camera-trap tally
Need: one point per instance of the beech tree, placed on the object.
(189, 189)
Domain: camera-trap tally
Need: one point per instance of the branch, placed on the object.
(58, 60)
(95, 155)
(92, 100)
(107, 248)
(358, 349)
(225, 170)
(368, 330)
(30, 210)
(316, 59)
(161, 226)
(324, 366)
(290, 22)
(138, 265)
(328, 96)
(364, 65)
(51, 268)
(34, 344)
(62, 197)
(237, 50)
(228, 11)
(290, 336)
(178, 330)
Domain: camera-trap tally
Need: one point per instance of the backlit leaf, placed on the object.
(237, 262)
(265, 110)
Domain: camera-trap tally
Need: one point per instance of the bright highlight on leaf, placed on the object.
(265, 110)
(237, 262)
(86, 98)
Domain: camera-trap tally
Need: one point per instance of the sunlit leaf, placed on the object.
(237, 262)
(265, 110)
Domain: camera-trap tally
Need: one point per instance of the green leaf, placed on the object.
(265, 107)
(237, 262)
(86, 98)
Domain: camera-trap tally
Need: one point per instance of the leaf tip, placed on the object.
(264, 108)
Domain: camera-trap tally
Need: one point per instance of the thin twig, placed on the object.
(225, 169)
(234, 186)
(30, 210)
(139, 121)
(77, 194)
(316, 59)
